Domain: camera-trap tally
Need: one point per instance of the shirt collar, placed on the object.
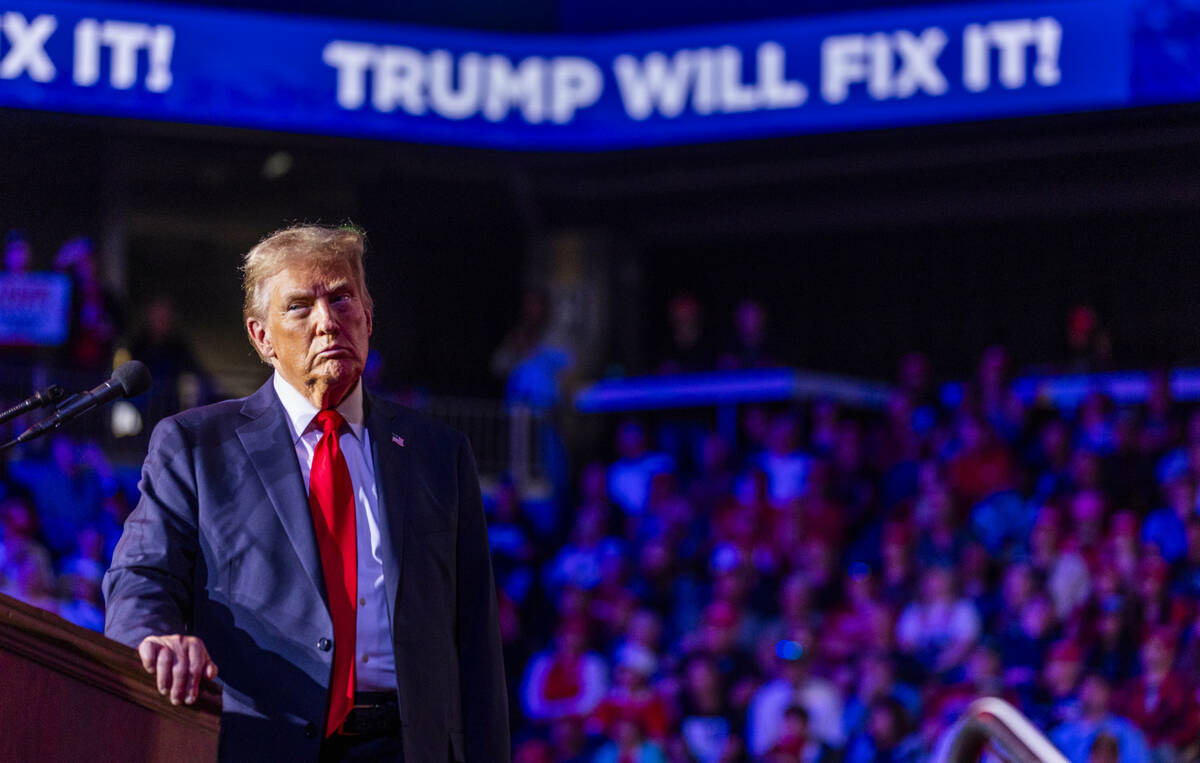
(301, 412)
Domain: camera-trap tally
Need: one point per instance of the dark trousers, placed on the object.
(385, 748)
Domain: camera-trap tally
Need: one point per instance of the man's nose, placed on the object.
(326, 321)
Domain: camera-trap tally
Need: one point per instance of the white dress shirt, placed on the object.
(375, 663)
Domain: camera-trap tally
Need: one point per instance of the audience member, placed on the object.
(796, 744)
(630, 475)
(795, 684)
(180, 381)
(567, 681)
(27, 572)
(1076, 739)
(632, 699)
(629, 745)
(1088, 348)
(876, 679)
(1166, 527)
(709, 724)
(18, 252)
(886, 738)
(96, 315)
(938, 628)
(785, 466)
(749, 348)
(1162, 702)
(688, 349)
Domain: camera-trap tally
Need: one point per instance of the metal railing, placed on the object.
(505, 439)
(990, 724)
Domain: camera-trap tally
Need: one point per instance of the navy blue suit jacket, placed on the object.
(221, 546)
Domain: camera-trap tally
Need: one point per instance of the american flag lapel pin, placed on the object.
(398, 440)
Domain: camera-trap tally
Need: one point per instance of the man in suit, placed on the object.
(325, 548)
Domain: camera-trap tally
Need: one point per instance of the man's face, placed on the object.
(315, 331)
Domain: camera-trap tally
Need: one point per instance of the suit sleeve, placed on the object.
(481, 662)
(148, 587)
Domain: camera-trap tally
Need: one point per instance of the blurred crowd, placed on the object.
(61, 511)
(839, 585)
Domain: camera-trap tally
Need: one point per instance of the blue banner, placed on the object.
(348, 78)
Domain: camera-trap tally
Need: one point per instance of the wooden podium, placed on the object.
(69, 694)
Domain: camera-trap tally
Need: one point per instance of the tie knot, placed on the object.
(330, 421)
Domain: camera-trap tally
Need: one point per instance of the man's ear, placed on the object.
(260, 338)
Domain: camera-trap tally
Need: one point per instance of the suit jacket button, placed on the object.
(324, 644)
(310, 730)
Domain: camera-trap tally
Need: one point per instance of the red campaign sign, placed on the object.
(34, 308)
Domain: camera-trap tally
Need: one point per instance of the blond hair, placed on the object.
(323, 246)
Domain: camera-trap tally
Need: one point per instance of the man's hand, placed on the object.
(178, 662)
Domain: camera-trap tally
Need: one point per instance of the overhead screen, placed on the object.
(700, 84)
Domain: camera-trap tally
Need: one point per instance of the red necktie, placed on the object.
(331, 498)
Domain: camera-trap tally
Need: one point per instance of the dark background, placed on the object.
(862, 246)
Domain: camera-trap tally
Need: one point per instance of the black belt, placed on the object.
(374, 713)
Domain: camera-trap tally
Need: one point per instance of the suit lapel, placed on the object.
(393, 475)
(267, 439)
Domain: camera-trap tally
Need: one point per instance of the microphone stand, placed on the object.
(17, 441)
(48, 396)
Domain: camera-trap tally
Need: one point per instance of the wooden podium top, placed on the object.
(89, 658)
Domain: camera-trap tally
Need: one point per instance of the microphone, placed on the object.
(39, 399)
(131, 379)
